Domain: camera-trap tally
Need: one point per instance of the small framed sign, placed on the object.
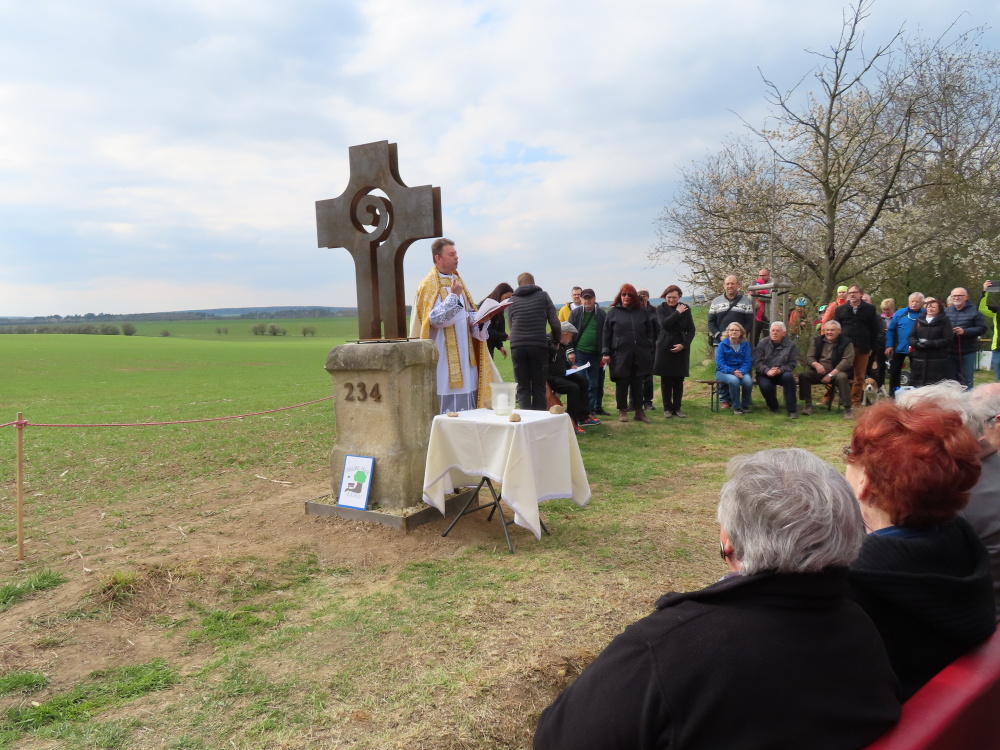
(356, 483)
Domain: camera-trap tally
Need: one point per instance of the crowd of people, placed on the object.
(844, 596)
(569, 350)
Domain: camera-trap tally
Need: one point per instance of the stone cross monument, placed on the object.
(385, 391)
(408, 214)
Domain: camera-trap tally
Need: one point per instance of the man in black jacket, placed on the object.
(774, 359)
(860, 323)
(773, 656)
(574, 385)
(968, 324)
(529, 343)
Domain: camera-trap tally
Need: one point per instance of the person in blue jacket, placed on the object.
(733, 362)
(897, 335)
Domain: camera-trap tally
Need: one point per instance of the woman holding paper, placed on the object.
(498, 327)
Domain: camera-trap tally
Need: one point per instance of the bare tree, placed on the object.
(892, 160)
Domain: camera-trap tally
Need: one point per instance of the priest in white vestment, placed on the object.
(445, 313)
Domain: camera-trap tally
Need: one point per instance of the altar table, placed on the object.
(533, 460)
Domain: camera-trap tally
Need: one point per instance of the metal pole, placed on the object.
(20, 486)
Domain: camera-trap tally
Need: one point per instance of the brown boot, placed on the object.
(640, 416)
(623, 415)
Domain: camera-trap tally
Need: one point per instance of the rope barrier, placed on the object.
(20, 423)
(25, 423)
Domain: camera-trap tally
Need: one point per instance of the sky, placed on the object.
(168, 154)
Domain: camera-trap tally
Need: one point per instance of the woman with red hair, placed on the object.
(923, 575)
(628, 348)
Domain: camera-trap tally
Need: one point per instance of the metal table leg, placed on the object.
(493, 506)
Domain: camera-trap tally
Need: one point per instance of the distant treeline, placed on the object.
(101, 329)
(250, 314)
(316, 312)
(91, 318)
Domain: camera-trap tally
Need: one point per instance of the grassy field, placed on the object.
(242, 330)
(175, 595)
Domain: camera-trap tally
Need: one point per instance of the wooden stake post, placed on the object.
(20, 486)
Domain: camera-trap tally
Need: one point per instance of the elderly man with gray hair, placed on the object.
(774, 359)
(829, 360)
(775, 651)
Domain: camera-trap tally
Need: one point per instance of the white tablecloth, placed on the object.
(535, 459)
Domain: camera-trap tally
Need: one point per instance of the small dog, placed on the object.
(872, 393)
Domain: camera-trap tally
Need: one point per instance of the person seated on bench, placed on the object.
(979, 409)
(773, 655)
(829, 360)
(774, 359)
(923, 575)
(733, 362)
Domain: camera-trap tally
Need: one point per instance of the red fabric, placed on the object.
(958, 708)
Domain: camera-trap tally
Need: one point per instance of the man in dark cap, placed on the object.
(588, 319)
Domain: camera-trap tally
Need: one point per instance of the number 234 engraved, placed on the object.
(363, 394)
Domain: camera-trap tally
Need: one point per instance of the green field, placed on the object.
(175, 596)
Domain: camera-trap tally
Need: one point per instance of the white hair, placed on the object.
(948, 394)
(788, 511)
(981, 403)
(916, 295)
(780, 325)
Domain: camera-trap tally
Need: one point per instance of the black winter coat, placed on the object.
(784, 356)
(863, 326)
(497, 332)
(970, 320)
(931, 597)
(780, 662)
(930, 343)
(675, 328)
(628, 340)
(531, 311)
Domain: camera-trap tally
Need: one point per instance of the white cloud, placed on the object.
(181, 146)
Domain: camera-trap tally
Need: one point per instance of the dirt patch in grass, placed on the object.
(294, 631)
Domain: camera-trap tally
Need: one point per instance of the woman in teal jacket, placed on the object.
(733, 361)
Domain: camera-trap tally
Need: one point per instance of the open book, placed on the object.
(491, 307)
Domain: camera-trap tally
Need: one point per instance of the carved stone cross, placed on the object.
(377, 232)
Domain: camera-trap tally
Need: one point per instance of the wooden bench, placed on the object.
(713, 393)
(959, 707)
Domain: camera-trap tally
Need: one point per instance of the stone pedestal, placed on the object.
(385, 397)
